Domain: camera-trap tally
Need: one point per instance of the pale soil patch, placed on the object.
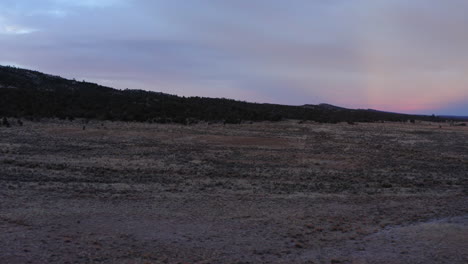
(252, 193)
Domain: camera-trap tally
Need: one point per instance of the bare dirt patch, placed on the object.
(253, 193)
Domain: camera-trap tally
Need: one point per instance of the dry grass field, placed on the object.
(281, 192)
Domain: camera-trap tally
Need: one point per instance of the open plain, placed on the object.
(115, 192)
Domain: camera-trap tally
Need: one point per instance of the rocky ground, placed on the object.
(114, 192)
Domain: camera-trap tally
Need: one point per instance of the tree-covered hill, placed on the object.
(31, 94)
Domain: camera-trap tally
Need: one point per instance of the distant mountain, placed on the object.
(32, 94)
(323, 106)
(457, 118)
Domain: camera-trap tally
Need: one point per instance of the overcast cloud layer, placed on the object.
(395, 55)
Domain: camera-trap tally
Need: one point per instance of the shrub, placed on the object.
(5, 122)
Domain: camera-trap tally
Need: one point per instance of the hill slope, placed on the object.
(26, 93)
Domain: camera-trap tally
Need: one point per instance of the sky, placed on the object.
(392, 55)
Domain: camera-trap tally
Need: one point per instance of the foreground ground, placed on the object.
(253, 193)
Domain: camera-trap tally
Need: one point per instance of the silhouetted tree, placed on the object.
(5, 122)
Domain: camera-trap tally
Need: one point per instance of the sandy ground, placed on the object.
(253, 193)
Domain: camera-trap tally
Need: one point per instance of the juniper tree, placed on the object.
(5, 122)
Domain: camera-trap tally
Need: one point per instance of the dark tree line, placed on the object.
(31, 94)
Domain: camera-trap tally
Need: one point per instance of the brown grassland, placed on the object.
(280, 192)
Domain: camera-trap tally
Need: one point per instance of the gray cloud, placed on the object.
(359, 53)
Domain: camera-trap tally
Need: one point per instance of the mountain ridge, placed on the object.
(29, 93)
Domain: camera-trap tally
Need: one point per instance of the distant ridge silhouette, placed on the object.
(32, 94)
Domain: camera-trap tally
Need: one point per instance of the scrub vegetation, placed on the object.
(269, 192)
